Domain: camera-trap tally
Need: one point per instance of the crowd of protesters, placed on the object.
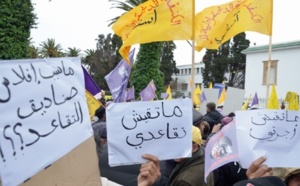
(190, 171)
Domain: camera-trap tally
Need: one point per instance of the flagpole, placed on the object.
(268, 71)
(270, 52)
(193, 48)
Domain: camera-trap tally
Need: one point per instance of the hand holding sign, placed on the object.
(143, 127)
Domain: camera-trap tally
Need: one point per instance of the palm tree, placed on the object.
(90, 59)
(50, 48)
(34, 52)
(125, 6)
(73, 52)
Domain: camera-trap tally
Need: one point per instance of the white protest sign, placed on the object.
(271, 133)
(234, 100)
(43, 116)
(211, 96)
(161, 128)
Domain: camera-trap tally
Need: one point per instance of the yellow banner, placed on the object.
(217, 24)
(93, 103)
(154, 20)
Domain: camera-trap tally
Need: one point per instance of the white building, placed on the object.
(184, 76)
(285, 69)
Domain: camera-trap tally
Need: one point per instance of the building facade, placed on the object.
(284, 71)
(182, 79)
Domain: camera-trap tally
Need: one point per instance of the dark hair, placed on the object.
(231, 114)
(211, 106)
(100, 112)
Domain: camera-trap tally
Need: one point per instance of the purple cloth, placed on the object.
(117, 79)
(148, 93)
(221, 148)
(164, 95)
(202, 97)
(254, 102)
(130, 94)
(90, 84)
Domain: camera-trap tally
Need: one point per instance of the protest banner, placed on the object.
(234, 100)
(221, 148)
(270, 133)
(162, 128)
(211, 96)
(44, 114)
(77, 168)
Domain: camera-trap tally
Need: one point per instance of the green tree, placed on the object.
(238, 61)
(73, 52)
(226, 60)
(168, 64)
(89, 59)
(146, 68)
(34, 52)
(148, 58)
(50, 48)
(17, 18)
(107, 57)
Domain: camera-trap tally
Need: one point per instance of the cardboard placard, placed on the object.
(77, 168)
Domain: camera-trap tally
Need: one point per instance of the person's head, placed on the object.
(231, 114)
(196, 141)
(293, 178)
(100, 113)
(262, 181)
(211, 106)
(205, 129)
(197, 117)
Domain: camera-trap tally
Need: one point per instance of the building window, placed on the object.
(181, 71)
(197, 70)
(273, 72)
(185, 70)
(189, 71)
(184, 86)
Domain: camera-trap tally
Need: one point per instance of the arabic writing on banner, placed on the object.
(221, 148)
(271, 133)
(43, 116)
(160, 128)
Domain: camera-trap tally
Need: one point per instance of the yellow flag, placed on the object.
(222, 98)
(197, 93)
(210, 85)
(245, 105)
(217, 24)
(154, 20)
(93, 104)
(169, 92)
(273, 100)
(293, 99)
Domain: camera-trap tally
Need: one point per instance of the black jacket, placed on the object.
(213, 117)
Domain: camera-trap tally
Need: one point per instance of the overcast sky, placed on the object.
(77, 23)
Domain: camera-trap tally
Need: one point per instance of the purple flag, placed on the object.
(254, 103)
(130, 94)
(221, 148)
(219, 86)
(148, 93)
(90, 84)
(117, 79)
(164, 95)
(202, 97)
